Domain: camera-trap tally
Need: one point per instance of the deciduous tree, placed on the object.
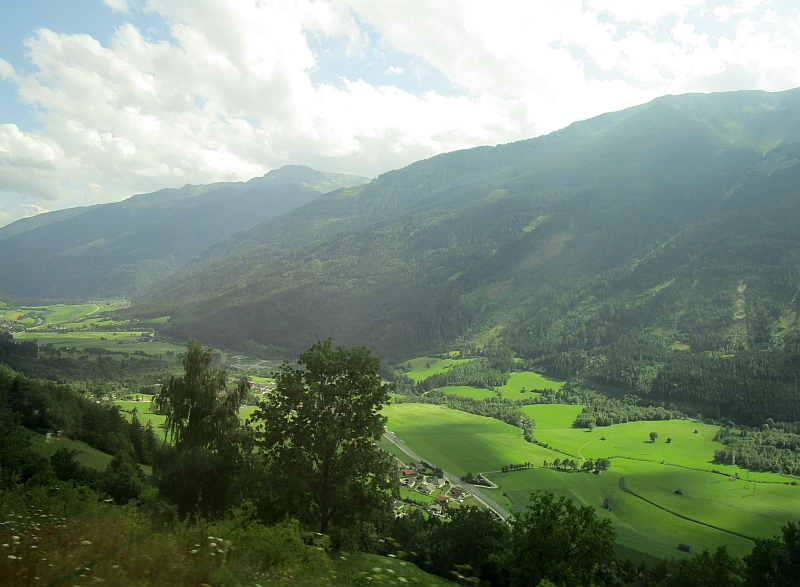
(558, 541)
(318, 430)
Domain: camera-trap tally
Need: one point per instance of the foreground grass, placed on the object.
(65, 537)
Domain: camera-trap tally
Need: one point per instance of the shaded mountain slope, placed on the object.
(523, 242)
(43, 219)
(116, 249)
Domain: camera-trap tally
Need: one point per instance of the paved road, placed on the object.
(479, 495)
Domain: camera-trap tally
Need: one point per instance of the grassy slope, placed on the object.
(87, 456)
(420, 370)
(529, 380)
(459, 442)
(145, 415)
(467, 391)
(82, 340)
(552, 416)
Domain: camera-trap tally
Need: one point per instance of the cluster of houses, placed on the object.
(413, 476)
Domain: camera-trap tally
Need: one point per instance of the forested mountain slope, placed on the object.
(670, 226)
(116, 249)
(43, 219)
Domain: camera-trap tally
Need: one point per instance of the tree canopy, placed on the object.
(318, 430)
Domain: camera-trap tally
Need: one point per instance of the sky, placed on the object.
(102, 99)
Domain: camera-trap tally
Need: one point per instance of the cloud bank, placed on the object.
(232, 94)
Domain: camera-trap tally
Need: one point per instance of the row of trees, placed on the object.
(769, 449)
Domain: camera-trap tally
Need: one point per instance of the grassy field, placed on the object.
(256, 379)
(424, 367)
(460, 442)
(529, 380)
(467, 391)
(159, 320)
(146, 415)
(87, 456)
(552, 416)
(114, 341)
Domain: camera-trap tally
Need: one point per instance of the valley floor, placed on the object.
(658, 494)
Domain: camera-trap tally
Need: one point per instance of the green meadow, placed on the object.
(424, 367)
(113, 341)
(467, 391)
(145, 414)
(460, 442)
(256, 379)
(552, 416)
(528, 380)
(87, 456)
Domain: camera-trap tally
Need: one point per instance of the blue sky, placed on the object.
(100, 99)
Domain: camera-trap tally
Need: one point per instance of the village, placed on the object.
(424, 486)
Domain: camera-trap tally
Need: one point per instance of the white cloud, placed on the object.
(118, 5)
(32, 210)
(232, 96)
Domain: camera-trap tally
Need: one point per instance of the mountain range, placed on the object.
(112, 250)
(653, 251)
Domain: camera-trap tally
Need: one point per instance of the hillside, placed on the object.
(673, 222)
(112, 250)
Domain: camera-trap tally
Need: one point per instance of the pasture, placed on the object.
(145, 415)
(87, 456)
(112, 341)
(528, 380)
(460, 442)
(552, 416)
(424, 367)
(467, 391)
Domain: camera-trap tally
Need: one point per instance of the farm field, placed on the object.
(424, 367)
(120, 341)
(552, 416)
(529, 380)
(467, 391)
(57, 314)
(145, 415)
(460, 442)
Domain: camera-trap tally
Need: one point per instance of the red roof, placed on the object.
(441, 498)
(408, 472)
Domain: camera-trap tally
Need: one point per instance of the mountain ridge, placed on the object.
(629, 251)
(115, 249)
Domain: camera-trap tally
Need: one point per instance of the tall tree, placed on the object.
(318, 431)
(776, 561)
(199, 409)
(558, 541)
(210, 444)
